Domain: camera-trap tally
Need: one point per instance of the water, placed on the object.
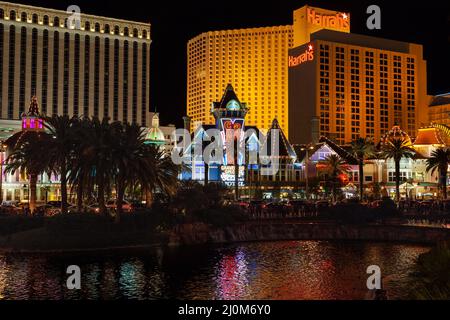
(265, 270)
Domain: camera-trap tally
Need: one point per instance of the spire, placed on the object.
(34, 107)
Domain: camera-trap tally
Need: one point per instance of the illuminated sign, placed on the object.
(231, 130)
(227, 175)
(338, 21)
(306, 56)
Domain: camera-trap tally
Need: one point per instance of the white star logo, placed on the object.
(345, 16)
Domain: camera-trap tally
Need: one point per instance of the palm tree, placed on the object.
(135, 162)
(59, 145)
(396, 149)
(439, 160)
(334, 167)
(361, 149)
(27, 149)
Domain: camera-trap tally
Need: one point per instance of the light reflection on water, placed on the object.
(269, 270)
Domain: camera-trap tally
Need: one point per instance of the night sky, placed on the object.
(175, 22)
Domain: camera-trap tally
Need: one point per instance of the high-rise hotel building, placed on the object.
(339, 84)
(345, 85)
(92, 66)
(254, 61)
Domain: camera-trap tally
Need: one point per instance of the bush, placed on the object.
(432, 276)
(18, 223)
(219, 217)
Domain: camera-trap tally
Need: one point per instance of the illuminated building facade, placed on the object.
(344, 86)
(439, 109)
(97, 67)
(255, 61)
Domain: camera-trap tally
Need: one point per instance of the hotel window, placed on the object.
(87, 56)
(135, 79)
(23, 17)
(12, 15)
(116, 80)
(66, 74)
(96, 75)
(107, 28)
(56, 22)
(55, 72)
(34, 39)
(34, 18)
(2, 14)
(116, 30)
(87, 26)
(76, 86)
(144, 85)
(126, 32)
(106, 79)
(23, 69)
(97, 27)
(45, 21)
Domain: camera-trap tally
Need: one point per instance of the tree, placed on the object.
(25, 157)
(59, 148)
(440, 160)
(396, 149)
(335, 166)
(361, 149)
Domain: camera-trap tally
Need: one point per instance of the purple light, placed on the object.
(32, 126)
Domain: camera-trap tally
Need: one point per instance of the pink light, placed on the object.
(32, 126)
(24, 123)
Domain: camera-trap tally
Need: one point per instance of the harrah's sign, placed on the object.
(308, 55)
(339, 21)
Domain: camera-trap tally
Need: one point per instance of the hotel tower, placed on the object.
(75, 64)
(314, 76)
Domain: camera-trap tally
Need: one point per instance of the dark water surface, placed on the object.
(264, 270)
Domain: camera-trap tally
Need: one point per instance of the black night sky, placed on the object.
(174, 23)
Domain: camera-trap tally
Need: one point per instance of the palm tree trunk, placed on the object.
(101, 197)
(361, 180)
(119, 200)
(148, 198)
(80, 194)
(444, 183)
(397, 180)
(32, 200)
(236, 170)
(63, 189)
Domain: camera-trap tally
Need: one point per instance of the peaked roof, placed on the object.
(301, 150)
(228, 95)
(285, 148)
(428, 136)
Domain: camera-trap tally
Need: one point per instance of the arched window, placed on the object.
(2, 14)
(126, 32)
(107, 29)
(12, 15)
(34, 18)
(116, 30)
(45, 20)
(56, 22)
(135, 33)
(23, 17)
(87, 26)
(97, 27)
(144, 34)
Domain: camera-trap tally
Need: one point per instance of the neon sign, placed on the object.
(339, 21)
(306, 56)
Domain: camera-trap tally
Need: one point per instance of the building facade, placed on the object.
(91, 66)
(255, 61)
(344, 86)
